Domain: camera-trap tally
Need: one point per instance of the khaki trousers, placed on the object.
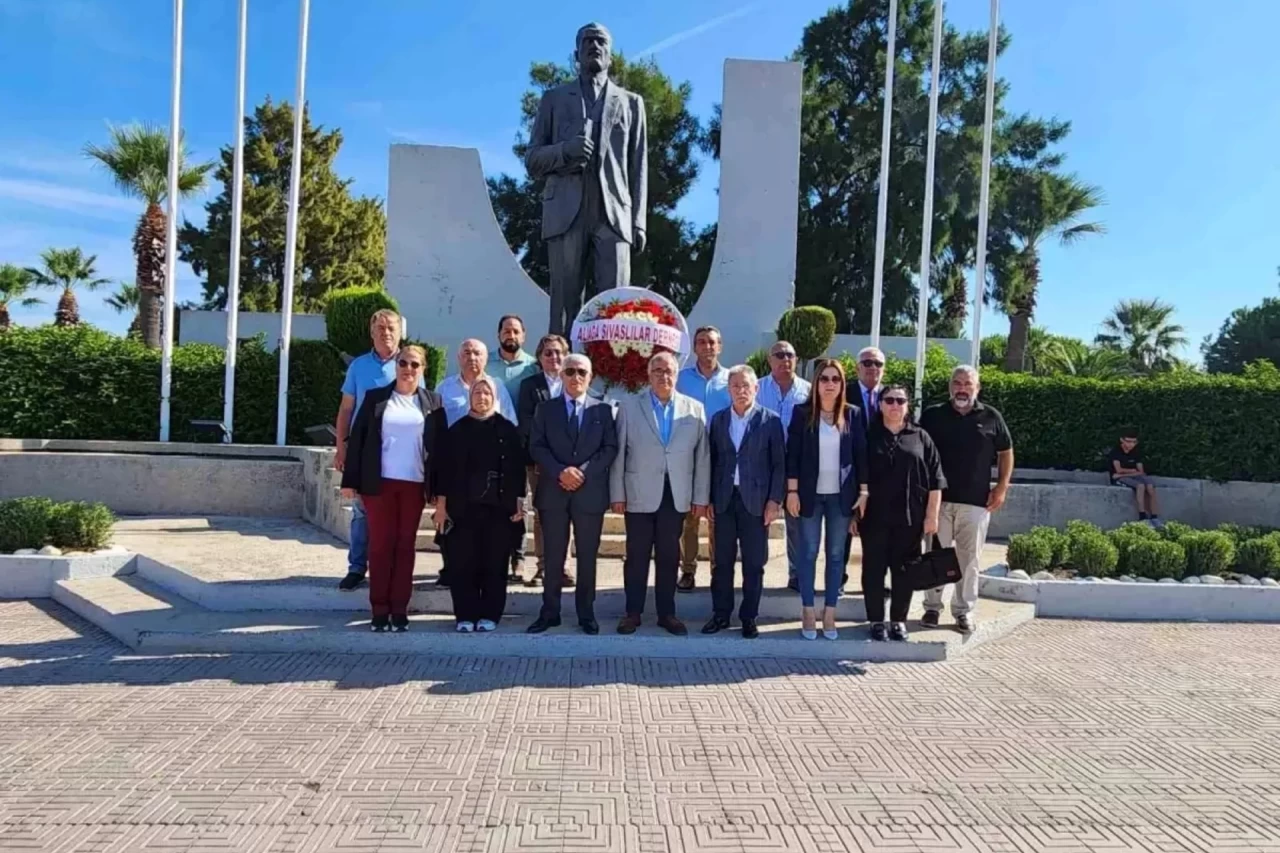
(963, 527)
(689, 543)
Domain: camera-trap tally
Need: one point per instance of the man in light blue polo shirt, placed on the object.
(707, 382)
(510, 364)
(782, 391)
(374, 369)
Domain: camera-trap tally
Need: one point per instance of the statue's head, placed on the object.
(594, 48)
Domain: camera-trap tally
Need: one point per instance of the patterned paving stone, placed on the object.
(1064, 736)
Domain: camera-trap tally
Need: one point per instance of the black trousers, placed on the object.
(555, 549)
(656, 536)
(478, 556)
(733, 528)
(887, 549)
(517, 542)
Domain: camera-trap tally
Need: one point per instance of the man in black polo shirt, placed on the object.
(970, 438)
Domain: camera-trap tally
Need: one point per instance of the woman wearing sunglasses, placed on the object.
(826, 483)
(390, 456)
(906, 483)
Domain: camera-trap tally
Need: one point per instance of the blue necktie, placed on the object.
(573, 421)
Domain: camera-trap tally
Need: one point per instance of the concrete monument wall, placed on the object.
(210, 327)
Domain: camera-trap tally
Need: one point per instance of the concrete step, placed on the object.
(151, 620)
(612, 545)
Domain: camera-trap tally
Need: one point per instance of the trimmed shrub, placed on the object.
(809, 328)
(1128, 535)
(1059, 544)
(347, 313)
(81, 526)
(1140, 529)
(1093, 554)
(1260, 557)
(759, 362)
(1174, 531)
(1208, 552)
(24, 523)
(1075, 527)
(437, 362)
(1029, 553)
(1156, 559)
(1241, 533)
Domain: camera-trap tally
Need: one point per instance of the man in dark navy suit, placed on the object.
(573, 443)
(748, 479)
(535, 390)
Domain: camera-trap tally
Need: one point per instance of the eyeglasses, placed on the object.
(404, 362)
(871, 362)
(575, 371)
(785, 356)
(661, 371)
(829, 379)
(553, 353)
(893, 401)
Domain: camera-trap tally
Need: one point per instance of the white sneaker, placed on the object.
(484, 626)
(466, 627)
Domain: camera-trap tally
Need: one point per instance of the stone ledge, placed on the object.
(34, 576)
(1137, 602)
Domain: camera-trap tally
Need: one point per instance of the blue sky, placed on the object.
(1173, 104)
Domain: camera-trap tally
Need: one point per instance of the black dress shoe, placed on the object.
(589, 626)
(878, 632)
(672, 625)
(793, 584)
(715, 624)
(351, 581)
(541, 624)
(379, 624)
(749, 629)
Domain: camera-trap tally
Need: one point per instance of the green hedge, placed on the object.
(347, 313)
(69, 525)
(81, 382)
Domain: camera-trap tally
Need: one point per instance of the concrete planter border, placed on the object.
(1137, 602)
(34, 576)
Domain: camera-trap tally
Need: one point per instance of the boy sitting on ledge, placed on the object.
(1126, 468)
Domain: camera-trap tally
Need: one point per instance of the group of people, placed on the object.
(835, 459)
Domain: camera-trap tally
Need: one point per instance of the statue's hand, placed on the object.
(638, 240)
(579, 149)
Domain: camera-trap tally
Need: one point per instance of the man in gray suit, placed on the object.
(663, 471)
(573, 443)
(590, 144)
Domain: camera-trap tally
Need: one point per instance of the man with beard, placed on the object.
(511, 365)
(971, 437)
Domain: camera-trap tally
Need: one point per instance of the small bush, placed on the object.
(1174, 531)
(24, 523)
(809, 328)
(347, 313)
(1029, 553)
(1075, 527)
(1241, 533)
(1059, 543)
(1260, 557)
(80, 526)
(1156, 559)
(1208, 553)
(1093, 554)
(759, 362)
(1140, 529)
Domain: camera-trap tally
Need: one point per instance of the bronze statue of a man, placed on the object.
(590, 144)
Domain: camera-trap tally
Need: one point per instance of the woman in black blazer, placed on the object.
(826, 482)
(391, 453)
(482, 488)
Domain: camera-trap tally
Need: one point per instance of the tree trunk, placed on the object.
(135, 328)
(68, 313)
(4, 316)
(1019, 329)
(148, 250)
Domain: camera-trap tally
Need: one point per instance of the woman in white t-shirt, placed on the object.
(390, 460)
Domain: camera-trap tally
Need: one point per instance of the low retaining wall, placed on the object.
(34, 576)
(1138, 602)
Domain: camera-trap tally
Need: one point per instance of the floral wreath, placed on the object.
(620, 351)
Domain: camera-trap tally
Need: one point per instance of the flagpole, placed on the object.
(237, 205)
(291, 226)
(882, 201)
(984, 199)
(171, 227)
(926, 236)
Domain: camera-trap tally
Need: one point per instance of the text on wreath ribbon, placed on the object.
(630, 331)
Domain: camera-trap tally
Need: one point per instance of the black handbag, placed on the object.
(934, 568)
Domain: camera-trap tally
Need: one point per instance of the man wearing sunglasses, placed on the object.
(780, 392)
(971, 438)
(865, 394)
(546, 384)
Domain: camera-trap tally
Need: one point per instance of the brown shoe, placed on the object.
(517, 574)
(629, 623)
(673, 626)
(536, 580)
(687, 582)
(569, 582)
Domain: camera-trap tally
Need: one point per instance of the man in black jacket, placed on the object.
(535, 390)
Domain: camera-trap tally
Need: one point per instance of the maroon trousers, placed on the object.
(393, 515)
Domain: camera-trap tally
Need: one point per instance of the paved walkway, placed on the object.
(1063, 736)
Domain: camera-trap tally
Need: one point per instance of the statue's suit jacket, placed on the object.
(621, 157)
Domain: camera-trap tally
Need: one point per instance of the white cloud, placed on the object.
(65, 198)
(697, 30)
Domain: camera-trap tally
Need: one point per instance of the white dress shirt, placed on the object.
(555, 386)
(737, 432)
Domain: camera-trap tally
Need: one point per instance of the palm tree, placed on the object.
(68, 269)
(1034, 205)
(1074, 357)
(126, 299)
(1143, 330)
(138, 159)
(15, 284)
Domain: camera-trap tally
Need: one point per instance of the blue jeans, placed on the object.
(795, 545)
(358, 552)
(826, 507)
